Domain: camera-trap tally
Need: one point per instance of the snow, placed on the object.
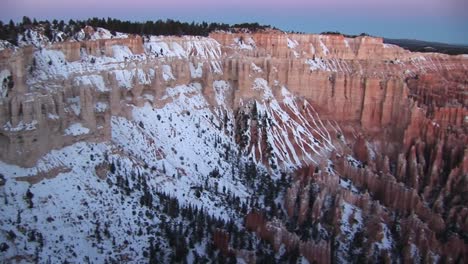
(167, 73)
(185, 121)
(32, 37)
(6, 45)
(76, 129)
(256, 68)
(75, 105)
(354, 162)
(144, 78)
(312, 49)
(346, 42)
(221, 88)
(261, 84)
(295, 133)
(101, 107)
(102, 33)
(389, 46)
(182, 141)
(292, 44)
(196, 72)
(51, 63)
(21, 126)
(176, 144)
(347, 184)
(414, 251)
(351, 223)
(121, 53)
(68, 206)
(52, 116)
(303, 260)
(93, 81)
(4, 74)
(127, 78)
(324, 48)
(387, 241)
(245, 42)
(124, 78)
(183, 47)
(317, 64)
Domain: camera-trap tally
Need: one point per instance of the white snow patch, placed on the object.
(4, 83)
(196, 72)
(346, 42)
(76, 129)
(351, 223)
(386, 242)
(347, 184)
(21, 126)
(261, 84)
(245, 42)
(6, 45)
(92, 80)
(102, 33)
(167, 73)
(292, 44)
(32, 37)
(124, 78)
(317, 64)
(101, 107)
(221, 88)
(324, 48)
(121, 53)
(256, 68)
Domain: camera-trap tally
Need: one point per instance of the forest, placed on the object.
(10, 31)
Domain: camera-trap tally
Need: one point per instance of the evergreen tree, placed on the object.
(26, 21)
(48, 31)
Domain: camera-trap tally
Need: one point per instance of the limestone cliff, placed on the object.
(374, 136)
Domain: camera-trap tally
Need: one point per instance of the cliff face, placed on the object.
(374, 135)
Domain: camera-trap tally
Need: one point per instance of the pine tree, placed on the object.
(26, 21)
(48, 31)
(28, 197)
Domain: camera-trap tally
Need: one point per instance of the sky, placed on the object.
(431, 20)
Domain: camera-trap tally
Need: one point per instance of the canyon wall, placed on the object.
(385, 129)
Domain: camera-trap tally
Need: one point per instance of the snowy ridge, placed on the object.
(32, 37)
(76, 129)
(6, 45)
(187, 120)
(49, 65)
(172, 125)
(102, 33)
(244, 43)
(183, 47)
(289, 133)
(76, 194)
(331, 65)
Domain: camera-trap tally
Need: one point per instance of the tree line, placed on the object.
(10, 31)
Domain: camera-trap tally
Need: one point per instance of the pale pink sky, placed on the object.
(443, 20)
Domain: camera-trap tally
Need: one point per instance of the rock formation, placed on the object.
(374, 136)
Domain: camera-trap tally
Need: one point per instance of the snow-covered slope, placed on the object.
(87, 200)
(126, 149)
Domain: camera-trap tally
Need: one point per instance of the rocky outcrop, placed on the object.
(376, 135)
(281, 45)
(276, 233)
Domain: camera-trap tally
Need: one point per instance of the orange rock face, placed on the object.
(374, 136)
